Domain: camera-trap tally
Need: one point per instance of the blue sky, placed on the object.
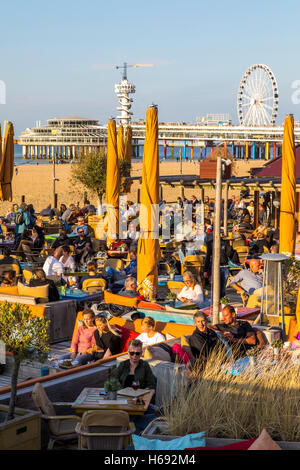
(57, 57)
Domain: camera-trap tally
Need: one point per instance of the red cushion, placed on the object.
(127, 336)
(181, 354)
(241, 445)
(145, 304)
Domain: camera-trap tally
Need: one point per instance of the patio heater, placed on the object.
(272, 291)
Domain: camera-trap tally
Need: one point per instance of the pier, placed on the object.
(67, 138)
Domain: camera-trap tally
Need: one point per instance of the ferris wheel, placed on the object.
(257, 100)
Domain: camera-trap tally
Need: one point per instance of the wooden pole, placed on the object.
(217, 243)
(54, 179)
(226, 208)
(256, 208)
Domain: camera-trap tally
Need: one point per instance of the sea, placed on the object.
(178, 153)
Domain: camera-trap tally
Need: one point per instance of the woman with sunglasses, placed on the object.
(192, 292)
(135, 369)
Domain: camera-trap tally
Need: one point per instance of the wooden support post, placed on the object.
(256, 208)
(226, 208)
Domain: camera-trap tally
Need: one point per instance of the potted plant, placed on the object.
(111, 386)
(172, 297)
(276, 345)
(224, 301)
(172, 272)
(25, 337)
(253, 354)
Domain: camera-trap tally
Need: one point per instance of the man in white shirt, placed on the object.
(52, 265)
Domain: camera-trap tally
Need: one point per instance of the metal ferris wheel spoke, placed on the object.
(268, 98)
(268, 107)
(246, 116)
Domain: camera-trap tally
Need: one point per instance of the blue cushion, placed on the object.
(181, 443)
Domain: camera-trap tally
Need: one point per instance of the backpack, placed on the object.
(19, 218)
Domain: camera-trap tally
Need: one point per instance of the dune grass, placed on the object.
(237, 407)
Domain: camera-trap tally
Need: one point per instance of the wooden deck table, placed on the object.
(93, 399)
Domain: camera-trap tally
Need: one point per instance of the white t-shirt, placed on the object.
(53, 266)
(195, 295)
(70, 264)
(157, 338)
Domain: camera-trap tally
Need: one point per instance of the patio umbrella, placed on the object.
(288, 190)
(148, 252)
(128, 145)
(7, 162)
(121, 149)
(112, 184)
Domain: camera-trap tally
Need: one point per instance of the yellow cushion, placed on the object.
(27, 275)
(110, 298)
(38, 292)
(9, 290)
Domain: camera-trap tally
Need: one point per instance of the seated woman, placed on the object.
(33, 239)
(9, 279)
(69, 263)
(192, 292)
(106, 341)
(82, 340)
(39, 279)
(135, 369)
(149, 335)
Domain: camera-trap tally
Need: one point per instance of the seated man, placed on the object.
(239, 334)
(92, 273)
(83, 247)
(62, 240)
(250, 279)
(80, 225)
(135, 369)
(52, 265)
(203, 340)
(130, 270)
(130, 288)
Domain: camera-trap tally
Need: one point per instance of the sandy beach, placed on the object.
(35, 182)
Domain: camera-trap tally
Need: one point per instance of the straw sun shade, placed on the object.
(148, 245)
(6, 162)
(288, 190)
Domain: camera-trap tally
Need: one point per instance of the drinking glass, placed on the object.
(135, 385)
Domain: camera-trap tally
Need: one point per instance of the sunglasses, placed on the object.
(80, 231)
(134, 353)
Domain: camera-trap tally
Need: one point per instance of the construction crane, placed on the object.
(123, 90)
(125, 66)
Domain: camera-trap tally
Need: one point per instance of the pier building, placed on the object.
(62, 138)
